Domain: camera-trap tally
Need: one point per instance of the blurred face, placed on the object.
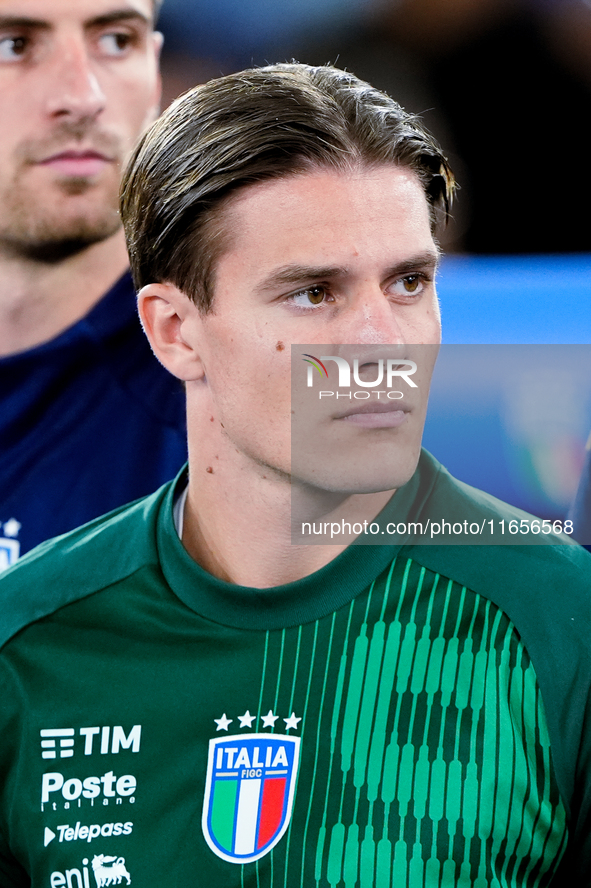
(78, 84)
(343, 264)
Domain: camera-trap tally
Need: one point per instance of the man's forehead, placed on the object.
(311, 185)
(329, 199)
(327, 224)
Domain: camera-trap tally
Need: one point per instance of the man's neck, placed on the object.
(238, 520)
(38, 301)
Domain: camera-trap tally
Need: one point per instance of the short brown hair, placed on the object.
(249, 127)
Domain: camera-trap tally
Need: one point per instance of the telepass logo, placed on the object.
(249, 794)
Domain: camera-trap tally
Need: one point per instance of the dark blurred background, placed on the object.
(505, 86)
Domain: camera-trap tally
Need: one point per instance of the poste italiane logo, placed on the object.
(249, 793)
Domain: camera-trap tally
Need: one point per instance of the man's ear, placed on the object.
(158, 43)
(172, 324)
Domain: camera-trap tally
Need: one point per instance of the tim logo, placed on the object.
(249, 794)
(109, 870)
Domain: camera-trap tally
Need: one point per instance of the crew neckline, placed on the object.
(315, 596)
(115, 308)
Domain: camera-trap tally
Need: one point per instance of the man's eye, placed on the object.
(411, 285)
(115, 44)
(12, 48)
(310, 296)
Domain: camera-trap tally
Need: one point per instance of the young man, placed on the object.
(88, 418)
(187, 697)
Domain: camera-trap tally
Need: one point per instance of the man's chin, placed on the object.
(54, 252)
(354, 480)
(52, 243)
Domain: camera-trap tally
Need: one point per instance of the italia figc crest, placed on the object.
(249, 794)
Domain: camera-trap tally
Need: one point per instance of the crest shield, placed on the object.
(249, 794)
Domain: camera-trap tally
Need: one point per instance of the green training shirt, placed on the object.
(406, 717)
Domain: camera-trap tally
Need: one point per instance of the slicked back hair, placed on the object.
(257, 125)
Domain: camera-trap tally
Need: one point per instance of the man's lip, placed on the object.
(375, 415)
(367, 406)
(77, 162)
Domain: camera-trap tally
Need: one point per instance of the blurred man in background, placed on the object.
(88, 418)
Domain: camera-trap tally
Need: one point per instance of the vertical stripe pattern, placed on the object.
(425, 760)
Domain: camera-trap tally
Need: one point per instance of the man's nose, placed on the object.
(72, 87)
(372, 318)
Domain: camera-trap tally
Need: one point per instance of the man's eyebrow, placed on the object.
(118, 15)
(22, 21)
(302, 274)
(109, 18)
(429, 259)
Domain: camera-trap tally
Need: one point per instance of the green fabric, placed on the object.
(439, 694)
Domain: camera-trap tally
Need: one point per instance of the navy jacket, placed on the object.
(88, 421)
